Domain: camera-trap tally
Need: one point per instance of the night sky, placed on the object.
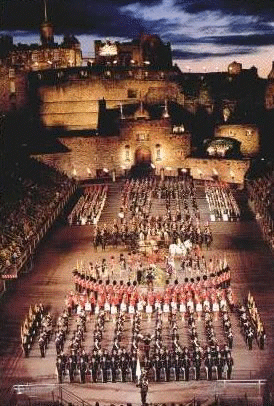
(206, 35)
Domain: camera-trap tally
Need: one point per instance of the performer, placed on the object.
(143, 387)
(146, 340)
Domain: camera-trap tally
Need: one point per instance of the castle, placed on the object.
(132, 105)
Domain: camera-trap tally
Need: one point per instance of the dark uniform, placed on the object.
(144, 389)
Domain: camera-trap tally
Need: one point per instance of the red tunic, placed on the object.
(101, 289)
(109, 289)
(92, 299)
(115, 299)
(133, 301)
(150, 298)
(101, 300)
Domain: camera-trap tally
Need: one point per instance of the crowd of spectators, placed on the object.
(260, 191)
(221, 202)
(89, 207)
(30, 194)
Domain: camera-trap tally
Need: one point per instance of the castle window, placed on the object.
(34, 56)
(142, 137)
(158, 152)
(127, 147)
(11, 73)
(12, 87)
(132, 94)
(56, 54)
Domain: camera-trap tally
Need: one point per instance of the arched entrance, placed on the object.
(142, 165)
(142, 156)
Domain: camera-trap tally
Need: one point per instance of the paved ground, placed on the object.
(49, 281)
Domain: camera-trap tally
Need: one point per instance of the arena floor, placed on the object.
(252, 268)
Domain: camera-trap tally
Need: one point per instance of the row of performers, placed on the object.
(190, 301)
(124, 367)
(84, 283)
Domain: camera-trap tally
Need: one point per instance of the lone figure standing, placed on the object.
(144, 387)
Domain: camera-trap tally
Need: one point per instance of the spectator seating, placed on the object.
(30, 194)
(260, 193)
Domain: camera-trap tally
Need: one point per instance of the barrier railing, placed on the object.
(33, 393)
(251, 391)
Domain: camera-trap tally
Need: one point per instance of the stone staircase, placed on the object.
(202, 204)
(158, 207)
(112, 205)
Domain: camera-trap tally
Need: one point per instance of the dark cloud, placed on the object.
(252, 40)
(105, 18)
(185, 55)
(78, 16)
(180, 39)
(257, 27)
(263, 8)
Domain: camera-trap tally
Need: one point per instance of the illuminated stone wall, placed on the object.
(269, 95)
(227, 170)
(168, 153)
(246, 134)
(13, 89)
(74, 104)
(88, 154)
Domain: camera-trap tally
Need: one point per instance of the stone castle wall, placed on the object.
(118, 153)
(246, 134)
(13, 90)
(227, 170)
(169, 153)
(74, 104)
(269, 95)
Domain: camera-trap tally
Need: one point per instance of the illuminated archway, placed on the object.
(142, 156)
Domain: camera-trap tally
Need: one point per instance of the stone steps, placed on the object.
(112, 205)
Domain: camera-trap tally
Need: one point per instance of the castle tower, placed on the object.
(271, 73)
(46, 30)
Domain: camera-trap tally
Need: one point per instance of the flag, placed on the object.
(138, 369)
(220, 264)
(248, 298)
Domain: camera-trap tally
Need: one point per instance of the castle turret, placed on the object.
(235, 68)
(271, 73)
(46, 30)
